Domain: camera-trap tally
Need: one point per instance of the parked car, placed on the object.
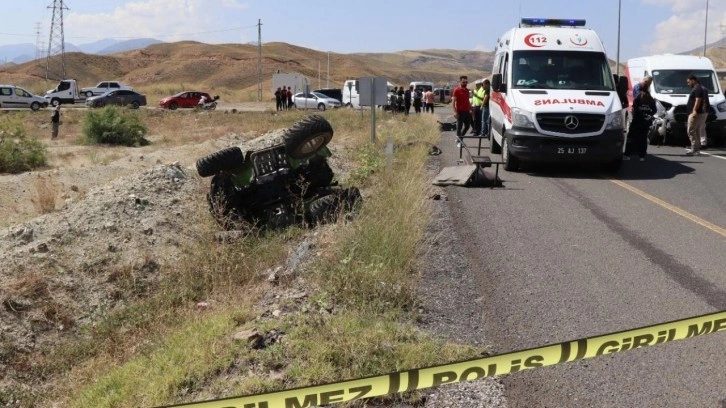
(13, 97)
(314, 100)
(335, 93)
(103, 87)
(185, 99)
(122, 97)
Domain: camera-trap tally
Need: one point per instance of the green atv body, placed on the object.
(280, 185)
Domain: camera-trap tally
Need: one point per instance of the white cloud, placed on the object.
(684, 30)
(166, 20)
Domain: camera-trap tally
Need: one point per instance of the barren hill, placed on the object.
(235, 66)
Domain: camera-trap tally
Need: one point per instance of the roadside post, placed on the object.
(373, 92)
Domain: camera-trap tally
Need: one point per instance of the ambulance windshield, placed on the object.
(673, 81)
(561, 70)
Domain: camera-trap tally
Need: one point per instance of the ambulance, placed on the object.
(671, 92)
(554, 98)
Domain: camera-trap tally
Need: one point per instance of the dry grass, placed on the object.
(46, 195)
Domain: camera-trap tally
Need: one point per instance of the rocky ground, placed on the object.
(61, 270)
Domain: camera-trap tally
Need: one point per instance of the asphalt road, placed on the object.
(566, 253)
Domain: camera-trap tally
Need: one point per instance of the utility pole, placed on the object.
(38, 43)
(55, 62)
(259, 60)
(327, 84)
(722, 26)
(705, 30)
(617, 63)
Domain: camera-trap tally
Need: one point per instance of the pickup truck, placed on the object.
(103, 87)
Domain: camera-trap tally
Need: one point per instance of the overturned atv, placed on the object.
(289, 183)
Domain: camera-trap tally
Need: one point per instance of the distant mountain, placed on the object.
(96, 46)
(128, 45)
(20, 53)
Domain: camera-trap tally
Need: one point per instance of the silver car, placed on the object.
(314, 100)
(13, 97)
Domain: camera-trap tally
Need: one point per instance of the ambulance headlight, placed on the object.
(721, 107)
(615, 120)
(522, 118)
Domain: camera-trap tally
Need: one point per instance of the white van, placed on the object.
(671, 92)
(554, 97)
(424, 86)
(12, 96)
(351, 97)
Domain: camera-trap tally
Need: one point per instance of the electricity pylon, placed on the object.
(55, 63)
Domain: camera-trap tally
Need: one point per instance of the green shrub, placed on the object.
(17, 152)
(115, 126)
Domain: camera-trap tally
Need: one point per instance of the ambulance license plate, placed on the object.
(572, 150)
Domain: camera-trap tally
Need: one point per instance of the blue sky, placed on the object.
(344, 26)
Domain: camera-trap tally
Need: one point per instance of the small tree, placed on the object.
(111, 125)
(17, 152)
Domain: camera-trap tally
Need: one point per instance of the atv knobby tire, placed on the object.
(227, 159)
(307, 136)
(328, 207)
(324, 209)
(221, 202)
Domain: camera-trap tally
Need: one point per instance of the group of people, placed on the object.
(400, 100)
(645, 108)
(471, 111)
(283, 98)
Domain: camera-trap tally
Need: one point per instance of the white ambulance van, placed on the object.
(671, 92)
(554, 98)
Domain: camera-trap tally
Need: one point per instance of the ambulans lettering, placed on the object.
(568, 101)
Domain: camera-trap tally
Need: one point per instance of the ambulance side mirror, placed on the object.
(497, 84)
(622, 89)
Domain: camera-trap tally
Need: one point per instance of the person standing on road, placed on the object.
(486, 86)
(417, 100)
(289, 97)
(55, 122)
(643, 84)
(644, 108)
(429, 100)
(697, 108)
(477, 98)
(407, 100)
(461, 106)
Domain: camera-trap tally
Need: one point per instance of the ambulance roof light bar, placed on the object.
(557, 22)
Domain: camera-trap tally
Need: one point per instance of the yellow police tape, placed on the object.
(468, 370)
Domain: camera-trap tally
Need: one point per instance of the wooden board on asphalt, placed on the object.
(455, 175)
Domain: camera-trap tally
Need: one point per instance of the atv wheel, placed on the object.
(324, 209)
(307, 136)
(221, 203)
(227, 159)
(328, 207)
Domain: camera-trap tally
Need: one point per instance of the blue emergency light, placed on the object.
(561, 22)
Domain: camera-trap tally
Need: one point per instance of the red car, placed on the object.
(186, 99)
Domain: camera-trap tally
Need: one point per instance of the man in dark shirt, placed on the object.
(55, 122)
(697, 108)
